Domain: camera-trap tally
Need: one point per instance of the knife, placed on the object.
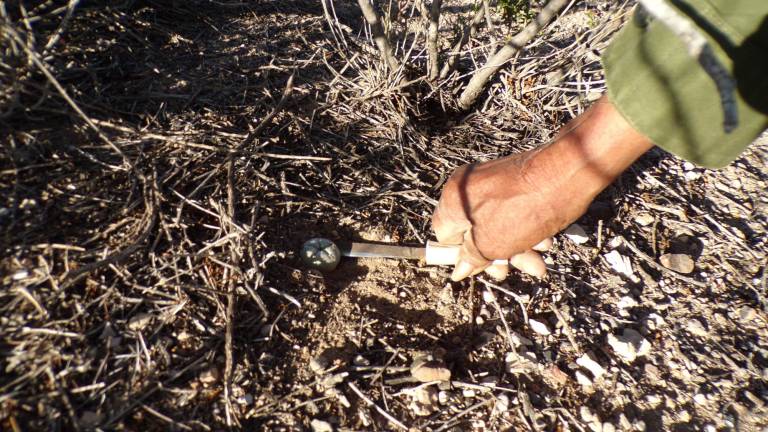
(324, 254)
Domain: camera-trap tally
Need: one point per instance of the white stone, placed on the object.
(619, 263)
(19, 275)
(502, 404)
(626, 302)
(653, 399)
(576, 234)
(539, 327)
(583, 379)
(644, 219)
(139, 321)
(688, 166)
(518, 340)
(696, 328)
(692, 175)
(488, 296)
(588, 363)
(699, 399)
(747, 313)
(629, 345)
(320, 426)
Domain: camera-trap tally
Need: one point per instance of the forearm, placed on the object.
(589, 152)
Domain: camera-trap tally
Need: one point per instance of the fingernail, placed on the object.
(461, 270)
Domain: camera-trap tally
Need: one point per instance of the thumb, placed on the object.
(470, 260)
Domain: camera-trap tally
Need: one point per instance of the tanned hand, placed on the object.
(510, 208)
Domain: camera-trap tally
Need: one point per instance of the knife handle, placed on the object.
(443, 254)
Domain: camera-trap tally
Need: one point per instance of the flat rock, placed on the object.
(430, 370)
(696, 327)
(629, 345)
(680, 263)
(747, 313)
(619, 263)
(576, 234)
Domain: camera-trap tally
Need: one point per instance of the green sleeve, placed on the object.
(665, 94)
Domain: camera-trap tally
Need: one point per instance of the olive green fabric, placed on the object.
(665, 94)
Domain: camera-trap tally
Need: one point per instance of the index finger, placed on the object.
(447, 229)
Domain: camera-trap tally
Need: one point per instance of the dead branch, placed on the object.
(699, 48)
(463, 37)
(378, 34)
(518, 42)
(432, 15)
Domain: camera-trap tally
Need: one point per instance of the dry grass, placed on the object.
(148, 271)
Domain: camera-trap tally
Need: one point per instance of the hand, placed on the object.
(496, 210)
(510, 208)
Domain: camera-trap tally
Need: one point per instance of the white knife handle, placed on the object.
(442, 254)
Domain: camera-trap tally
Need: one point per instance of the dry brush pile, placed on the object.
(162, 162)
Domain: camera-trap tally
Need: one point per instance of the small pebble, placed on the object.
(644, 219)
(246, 399)
(692, 175)
(19, 275)
(626, 302)
(620, 264)
(318, 364)
(431, 370)
(210, 375)
(747, 313)
(680, 263)
(629, 345)
(360, 361)
(587, 362)
(608, 427)
(139, 321)
(320, 426)
(653, 399)
(488, 296)
(502, 404)
(576, 234)
(583, 379)
(91, 419)
(539, 327)
(696, 328)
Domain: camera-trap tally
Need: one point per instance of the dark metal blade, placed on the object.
(378, 250)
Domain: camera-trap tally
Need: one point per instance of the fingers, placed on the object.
(543, 245)
(470, 261)
(498, 271)
(529, 262)
(447, 230)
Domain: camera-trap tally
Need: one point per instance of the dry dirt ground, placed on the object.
(150, 278)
